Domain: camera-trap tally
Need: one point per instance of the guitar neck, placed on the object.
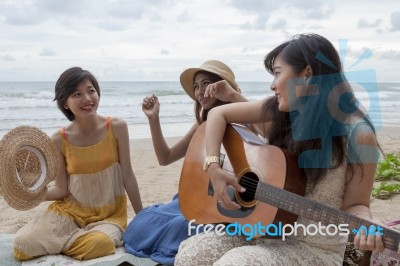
(315, 211)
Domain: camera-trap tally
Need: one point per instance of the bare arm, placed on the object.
(358, 190)
(120, 130)
(60, 189)
(165, 154)
(249, 112)
(224, 92)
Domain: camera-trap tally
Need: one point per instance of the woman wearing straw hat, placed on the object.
(90, 210)
(157, 231)
(210, 85)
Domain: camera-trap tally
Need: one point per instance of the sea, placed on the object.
(31, 103)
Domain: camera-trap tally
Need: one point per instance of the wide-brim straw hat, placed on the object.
(213, 66)
(29, 160)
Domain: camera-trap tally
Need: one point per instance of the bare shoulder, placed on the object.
(57, 139)
(119, 126)
(117, 122)
(364, 134)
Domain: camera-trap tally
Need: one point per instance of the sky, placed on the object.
(155, 40)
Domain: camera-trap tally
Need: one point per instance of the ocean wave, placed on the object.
(27, 95)
(159, 93)
(32, 103)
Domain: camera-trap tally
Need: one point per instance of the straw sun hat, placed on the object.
(213, 66)
(28, 162)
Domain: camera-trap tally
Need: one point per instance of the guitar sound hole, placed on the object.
(249, 181)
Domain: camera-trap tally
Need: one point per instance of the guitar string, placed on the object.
(252, 187)
(249, 184)
(329, 216)
(275, 197)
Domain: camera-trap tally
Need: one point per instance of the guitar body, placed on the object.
(250, 163)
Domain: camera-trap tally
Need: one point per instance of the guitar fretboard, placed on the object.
(316, 211)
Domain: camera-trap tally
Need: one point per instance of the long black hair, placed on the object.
(200, 113)
(321, 123)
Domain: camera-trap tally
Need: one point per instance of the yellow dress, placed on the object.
(90, 221)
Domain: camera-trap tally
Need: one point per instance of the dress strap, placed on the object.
(108, 122)
(63, 134)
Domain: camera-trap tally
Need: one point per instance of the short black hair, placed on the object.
(66, 85)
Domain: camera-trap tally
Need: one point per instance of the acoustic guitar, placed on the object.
(274, 184)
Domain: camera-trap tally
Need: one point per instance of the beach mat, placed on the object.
(121, 256)
(6, 250)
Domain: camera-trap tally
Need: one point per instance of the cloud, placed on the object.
(280, 24)
(246, 26)
(135, 10)
(255, 6)
(363, 23)
(60, 6)
(164, 52)
(37, 11)
(130, 33)
(259, 24)
(183, 17)
(319, 12)
(47, 52)
(395, 20)
(20, 15)
(312, 9)
(8, 58)
(261, 9)
(390, 55)
(112, 25)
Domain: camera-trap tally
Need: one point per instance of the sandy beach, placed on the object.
(160, 183)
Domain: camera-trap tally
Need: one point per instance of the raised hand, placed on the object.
(221, 90)
(151, 106)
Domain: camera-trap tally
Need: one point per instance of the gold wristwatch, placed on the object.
(209, 160)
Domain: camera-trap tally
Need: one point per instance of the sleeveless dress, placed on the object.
(211, 249)
(89, 222)
(157, 231)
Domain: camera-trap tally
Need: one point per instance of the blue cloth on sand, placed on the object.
(156, 232)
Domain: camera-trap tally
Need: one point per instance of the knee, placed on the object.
(180, 259)
(22, 244)
(187, 254)
(90, 246)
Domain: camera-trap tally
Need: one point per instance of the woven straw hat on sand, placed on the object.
(29, 160)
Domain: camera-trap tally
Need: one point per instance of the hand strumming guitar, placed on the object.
(220, 180)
